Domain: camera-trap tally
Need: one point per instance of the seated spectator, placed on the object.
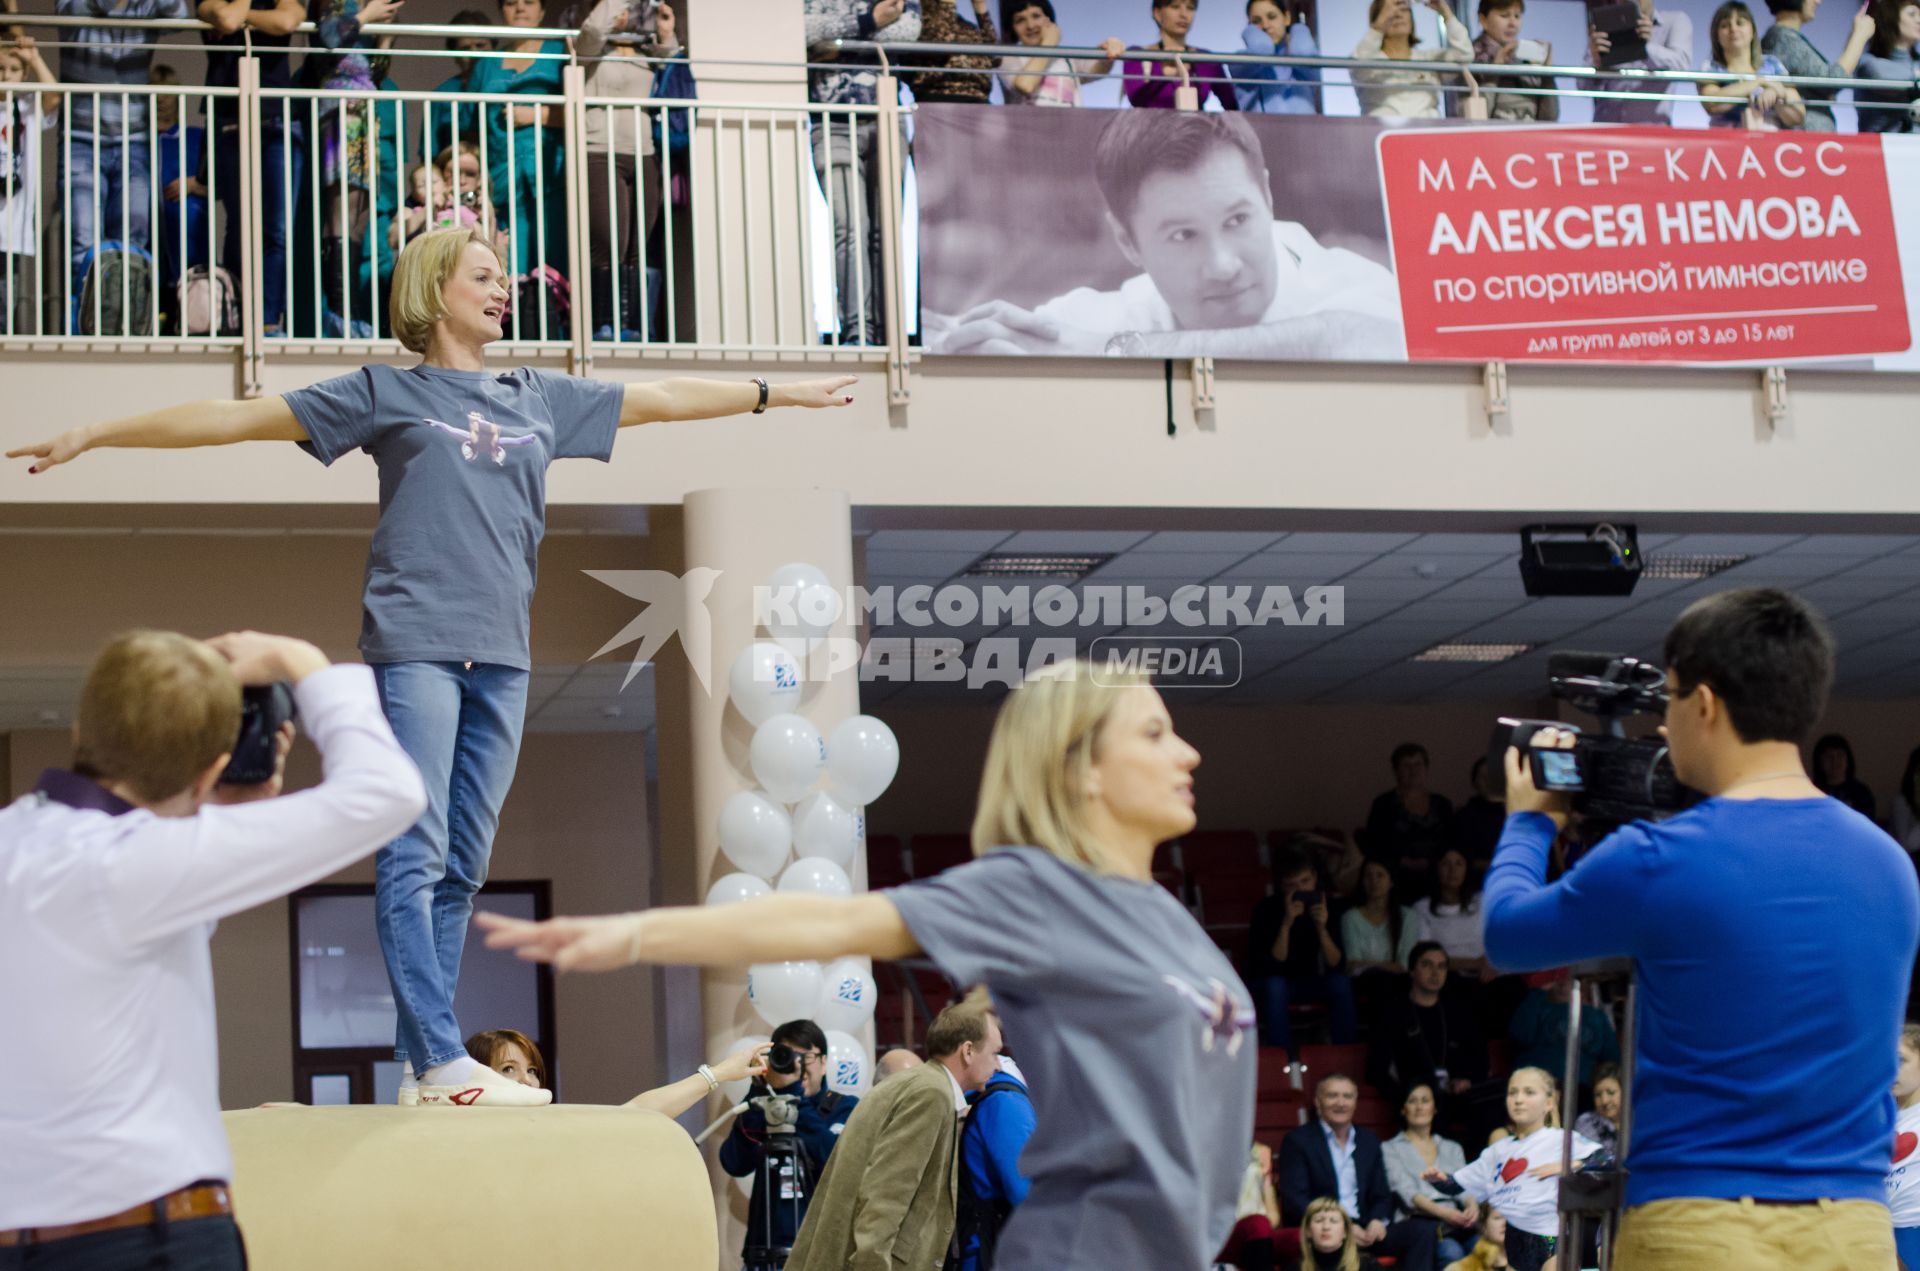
(1411, 1153)
(1491, 1253)
(774, 1214)
(1450, 916)
(1787, 41)
(1190, 203)
(512, 1053)
(1516, 1174)
(1889, 56)
(1903, 811)
(1294, 955)
(1250, 1247)
(1768, 103)
(1043, 80)
(178, 150)
(1328, 1241)
(1668, 36)
(1427, 1037)
(623, 174)
(1000, 1120)
(1407, 94)
(1377, 933)
(1499, 43)
(1409, 824)
(1539, 1031)
(1477, 825)
(461, 119)
(956, 77)
(1273, 28)
(1330, 1157)
(1156, 84)
(1903, 1179)
(1602, 1123)
(23, 117)
(1832, 765)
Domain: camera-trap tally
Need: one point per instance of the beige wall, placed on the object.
(577, 816)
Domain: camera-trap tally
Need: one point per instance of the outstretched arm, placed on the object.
(767, 929)
(209, 423)
(672, 1100)
(660, 401)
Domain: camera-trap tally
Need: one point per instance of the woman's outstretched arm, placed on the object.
(210, 423)
(766, 929)
(659, 401)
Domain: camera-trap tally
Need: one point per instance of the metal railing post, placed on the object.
(893, 177)
(573, 83)
(252, 263)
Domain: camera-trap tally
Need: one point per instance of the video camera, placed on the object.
(1613, 778)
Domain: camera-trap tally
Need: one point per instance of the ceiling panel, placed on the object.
(975, 541)
(1235, 541)
(1372, 543)
(1303, 569)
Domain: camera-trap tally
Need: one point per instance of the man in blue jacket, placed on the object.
(999, 1122)
(779, 1204)
(1772, 932)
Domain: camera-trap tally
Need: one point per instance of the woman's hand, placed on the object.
(813, 394)
(1549, 1170)
(68, 446)
(742, 1064)
(374, 12)
(606, 943)
(1431, 1174)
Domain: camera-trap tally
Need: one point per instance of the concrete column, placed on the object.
(703, 743)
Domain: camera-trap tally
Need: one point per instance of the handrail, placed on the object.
(1497, 70)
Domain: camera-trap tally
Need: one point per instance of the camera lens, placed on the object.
(782, 1060)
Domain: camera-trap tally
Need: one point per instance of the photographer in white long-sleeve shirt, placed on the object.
(112, 875)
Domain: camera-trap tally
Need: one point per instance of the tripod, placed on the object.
(782, 1184)
(1591, 1200)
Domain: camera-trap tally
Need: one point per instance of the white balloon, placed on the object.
(849, 1067)
(816, 876)
(787, 756)
(735, 1091)
(782, 992)
(756, 833)
(736, 887)
(847, 995)
(824, 827)
(862, 758)
(764, 682)
(801, 602)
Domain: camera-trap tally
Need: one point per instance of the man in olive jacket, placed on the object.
(887, 1197)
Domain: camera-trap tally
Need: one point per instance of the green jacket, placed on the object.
(887, 1197)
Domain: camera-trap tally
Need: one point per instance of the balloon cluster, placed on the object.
(796, 832)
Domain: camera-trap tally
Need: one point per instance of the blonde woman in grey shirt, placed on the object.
(1412, 1151)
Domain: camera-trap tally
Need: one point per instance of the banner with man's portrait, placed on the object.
(1168, 234)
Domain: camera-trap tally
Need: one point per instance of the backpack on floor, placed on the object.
(542, 288)
(110, 270)
(209, 302)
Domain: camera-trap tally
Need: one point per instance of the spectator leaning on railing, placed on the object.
(1889, 56)
(1788, 42)
(1669, 40)
(1769, 103)
(527, 174)
(1408, 94)
(1045, 80)
(1273, 28)
(960, 77)
(464, 118)
(1157, 83)
(1499, 42)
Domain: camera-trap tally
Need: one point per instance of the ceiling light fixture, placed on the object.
(1068, 565)
(1682, 567)
(1471, 651)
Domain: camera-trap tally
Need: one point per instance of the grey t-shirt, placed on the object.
(463, 461)
(1138, 1044)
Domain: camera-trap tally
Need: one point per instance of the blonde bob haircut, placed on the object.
(1349, 1249)
(1040, 761)
(420, 276)
(157, 711)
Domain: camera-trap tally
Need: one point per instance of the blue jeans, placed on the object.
(460, 723)
(117, 192)
(199, 1244)
(1906, 1242)
(1276, 993)
(282, 161)
(1449, 1251)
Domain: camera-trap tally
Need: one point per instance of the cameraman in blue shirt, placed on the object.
(1772, 931)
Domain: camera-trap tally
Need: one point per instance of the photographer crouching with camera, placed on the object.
(112, 876)
(783, 1140)
(1772, 932)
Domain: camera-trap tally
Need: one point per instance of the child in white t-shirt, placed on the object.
(1903, 1179)
(1516, 1174)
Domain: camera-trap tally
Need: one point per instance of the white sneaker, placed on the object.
(409, 1096)
(488, 1089)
